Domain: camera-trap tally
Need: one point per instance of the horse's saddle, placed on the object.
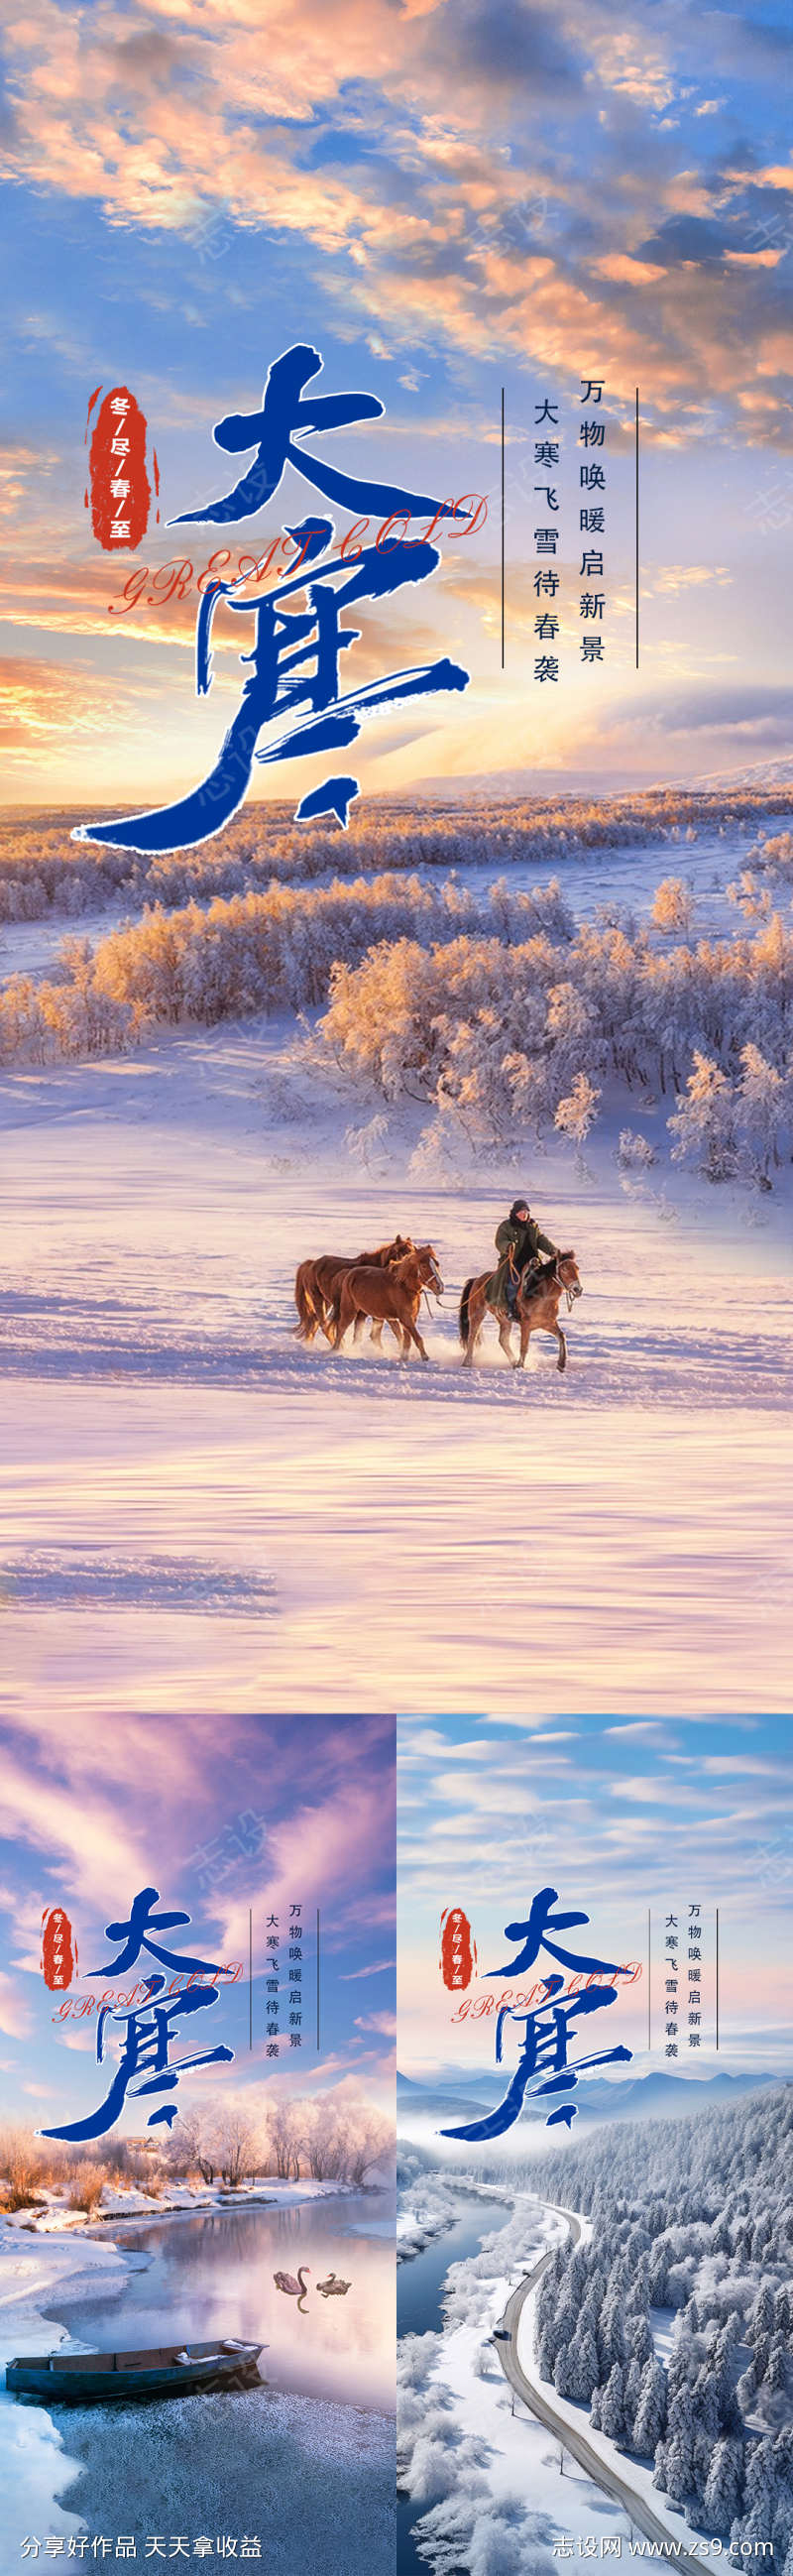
(499, 1296)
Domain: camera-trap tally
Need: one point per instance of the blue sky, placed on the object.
(93, 1817)
(619, 1816)
(444, 199)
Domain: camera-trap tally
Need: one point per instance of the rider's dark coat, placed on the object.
(516, 1243)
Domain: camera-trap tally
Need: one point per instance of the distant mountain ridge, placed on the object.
(642, 2097)
(541, 786)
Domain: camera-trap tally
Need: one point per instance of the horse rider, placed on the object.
(519, 1242)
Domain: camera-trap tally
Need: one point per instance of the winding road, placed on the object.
(534, 2395)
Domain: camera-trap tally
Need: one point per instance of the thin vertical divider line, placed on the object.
(649, 2040)
(250, 1977)
(502, 527)
(317, 1979)
(717, 1976)
(637, 527)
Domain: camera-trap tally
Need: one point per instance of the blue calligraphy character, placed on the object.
(294, 664)
(135, 1935)
(544, 2053)
(277, 432)
(534, 1935)
(144, 2055)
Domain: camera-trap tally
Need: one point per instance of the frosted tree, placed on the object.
(678, 2471)
(775, 852)
(591, 2309)
(639, 2339)
(777, 2372)
(659, 2274)
(577, 2276)
(637, 2255)
(566, 2319)
(611, 2331)
(704, 1125)
(782, 2530)
(762, 1111)
(721, 2374)
(633, 2383)
(285, 2140)
(573, 1033)
(673, 906)
(575, 1115)
(650, 2420)
(527, 1077)
(761, 2313)
(679, 2446)
(724, 2486)
(612, 2410)
(563, 2372)
(367, 1144)
(583, 2365)
(746, 2390)
(762, 2351)
(755, 2530)
(635, 1153)
(761, 2488)
(752, 898)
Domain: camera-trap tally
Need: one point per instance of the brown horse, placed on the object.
(318, 1284)
(537, 1311)
(391, 1296)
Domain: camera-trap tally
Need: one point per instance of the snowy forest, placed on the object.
(693, 2216)
(489, 1004)
(670, 2322)
(43, 870)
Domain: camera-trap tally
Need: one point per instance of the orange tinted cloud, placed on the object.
(186, 121)
(50, 701)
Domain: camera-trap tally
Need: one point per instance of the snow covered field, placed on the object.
(623, 879)
(51, 2214)
(36, 2460)
(182, 1455)
(199, 1512)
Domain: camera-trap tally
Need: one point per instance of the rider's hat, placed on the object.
(520, 1202)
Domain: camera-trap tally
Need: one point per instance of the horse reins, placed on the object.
(569, 1293)
(564, 1291)
(428, 1289)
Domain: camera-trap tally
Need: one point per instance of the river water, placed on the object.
(211, 2273)
(420, 2291)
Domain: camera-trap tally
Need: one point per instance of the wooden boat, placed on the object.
(80, 2378)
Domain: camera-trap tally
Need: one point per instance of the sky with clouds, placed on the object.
(445, 197)
(91, 1816)
(620, 1817)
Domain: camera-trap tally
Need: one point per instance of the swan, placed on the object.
(295, 2289)
(333, 2288)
